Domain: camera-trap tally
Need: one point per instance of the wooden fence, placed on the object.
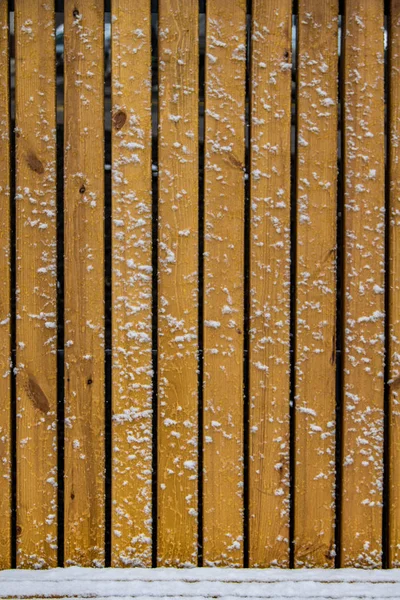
(200, 338)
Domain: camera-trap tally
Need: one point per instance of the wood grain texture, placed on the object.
(178, 284)
(270, 283)
(132, 283)
(363, 284)
(84, 282)
(394, 283)
(223, 282)
(315, 359)
(36, 281)
(5, 339)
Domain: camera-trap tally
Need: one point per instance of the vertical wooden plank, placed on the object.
(270, 283)
(178, 287)
(223, 282)
(84, 282)
(315, 360)
(36, 285)
(394, 283)
(5, 347)
(364, 284)
(132, 283)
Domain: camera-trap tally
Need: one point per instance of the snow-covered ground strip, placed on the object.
(196, 584)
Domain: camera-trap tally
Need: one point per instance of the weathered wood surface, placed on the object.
(280, 104)
(315, 337)
(363, 291)
(178, 283)
(84, 282)
(36, 282)
(132, 283)
(224, 282)
(269, 377)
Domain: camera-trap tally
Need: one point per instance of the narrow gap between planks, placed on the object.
(13, 328)
(339, 291)
(387, 359)
(201, 138)
(107, 318)
(246, 284)
(154, 308)
(293, 259)
(60, 316)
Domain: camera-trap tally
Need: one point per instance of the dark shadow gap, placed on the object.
(154, 123)
(201, 132)
(386, 398)
(339, 295)
(60, 314)
(13, 328)
(246, 290)
(107, 317)
(293, 258)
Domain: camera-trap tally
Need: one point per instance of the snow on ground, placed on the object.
(196, 584)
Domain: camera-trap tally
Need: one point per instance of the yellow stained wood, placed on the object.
(5, 347)
(178, 286)
(223, 282)
(315, 375)
(364, 283)
(394, 284)
(132, 283)
(270, 283)
(36, 282)
(84, 282)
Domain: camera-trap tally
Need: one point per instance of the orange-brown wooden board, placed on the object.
(363, 163)
(36, 282)
(84, 282)
(315, 343)
(178, 283)
(132, 283)
(224, 282)
(270, 283)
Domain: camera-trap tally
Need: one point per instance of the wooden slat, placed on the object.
(84, 282)
(315, 356)
(36, 284)
(5, 348)
(132, 359)
(270, 283)
(223, 282)
(178, 287)
(394, 283)
(363, 284)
